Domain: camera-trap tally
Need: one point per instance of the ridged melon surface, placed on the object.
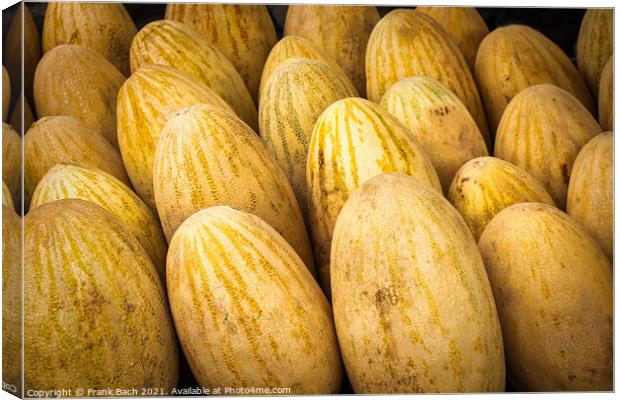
(352, 141)
(145, 101)
(485, 186)
(606, 97)
(542, 130)
(243, 32)
(553, 289)
(97, 313)
(297, 92)
(410, 43)
(6, 94)
(595, 44)
(105, 28)
(413, 307)
(439, 120)
(183, 47)
(247, 311)
(7, 197)
(75, 81)
(11, 159)
(73, 181)
(208, 157)
(514, 57)
(590, 198)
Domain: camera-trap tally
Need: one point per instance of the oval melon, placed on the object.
(7, 197)
(413, 307)
(341, 31)
(11, 301)
(514, 57)
(590, 198)
(606, 97)
(553, 289)
(145, 101)
(6, 94)
(11, 159)
(267, 322)
(185, 48)
(97, 312)
(485, 186)
(352, 141)
(595, 44)
(439, 120)
(243, 32)
(105, 28)
(410, 43)
(77, 82)
(73, 181)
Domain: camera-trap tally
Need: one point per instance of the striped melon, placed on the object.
(595, 45)
(606, 97)
(185, 48)
(247, 311)
(105, 28)
(341, 31)
(352, 141)
(75, 81)
(53, 140)
(11, 302)
(553, 289)
(73, 181)
(243, 32)
(207, 157)
(295, 47)
(7, 197)
(514, 57)
(485, 186)
(145, 101)
(6, 94)
(20, 112)
(97, 313)
(410, 43)
(591, 190)
(439, 120)
(413, 307)
(464, 25)
(294, 97)
(541, 131)
(11, 159)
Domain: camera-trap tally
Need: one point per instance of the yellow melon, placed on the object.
(606, 97)
(6, 94)
(595, 44)
(7, 197)
(11, 159)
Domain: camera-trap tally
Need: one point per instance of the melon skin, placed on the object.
(541, 131)
(485, 186)
(244, 33)
(207, 157)
(298, 91)
(105, 28)
(11, 159)
(606, 97)
(553, 289)
(590, 198)
(96, 307)
(145, 101)
(515, 57)
(7, 197)
(11, 300)
(440, 122)
(73, 181)
(410, 43)
(232, 281)
(75, 81)
(183, 47)
(342, 32)
(595, 44)
(6, 94)
(413, 307)
(352, 141)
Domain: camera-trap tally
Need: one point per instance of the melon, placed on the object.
(105, 28)
(410, 43)
(7, 197)
(73, 181)
(341, 31)
(590, 198)
(6, 94)
(439, 120)
(145, 101)
(183, 47)
(485, 186)
(11, 159)
(606, 97)
(247, 311)
(97, 312)
(553, 289)
(75, 81)
(595, 44)
(413, 307)
(352, 141)
(244, 33)
(541, 131)
(514, 57)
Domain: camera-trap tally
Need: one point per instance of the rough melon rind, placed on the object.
(595, 44)
(11, 301)
(606, 97)
(11, 159)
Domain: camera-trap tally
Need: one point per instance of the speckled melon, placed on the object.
(595, 44)
(11, 159)
(606, 97)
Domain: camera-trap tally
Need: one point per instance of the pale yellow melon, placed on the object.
(606, 97)
(7, 197)
(595, 44)
(11, 159)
